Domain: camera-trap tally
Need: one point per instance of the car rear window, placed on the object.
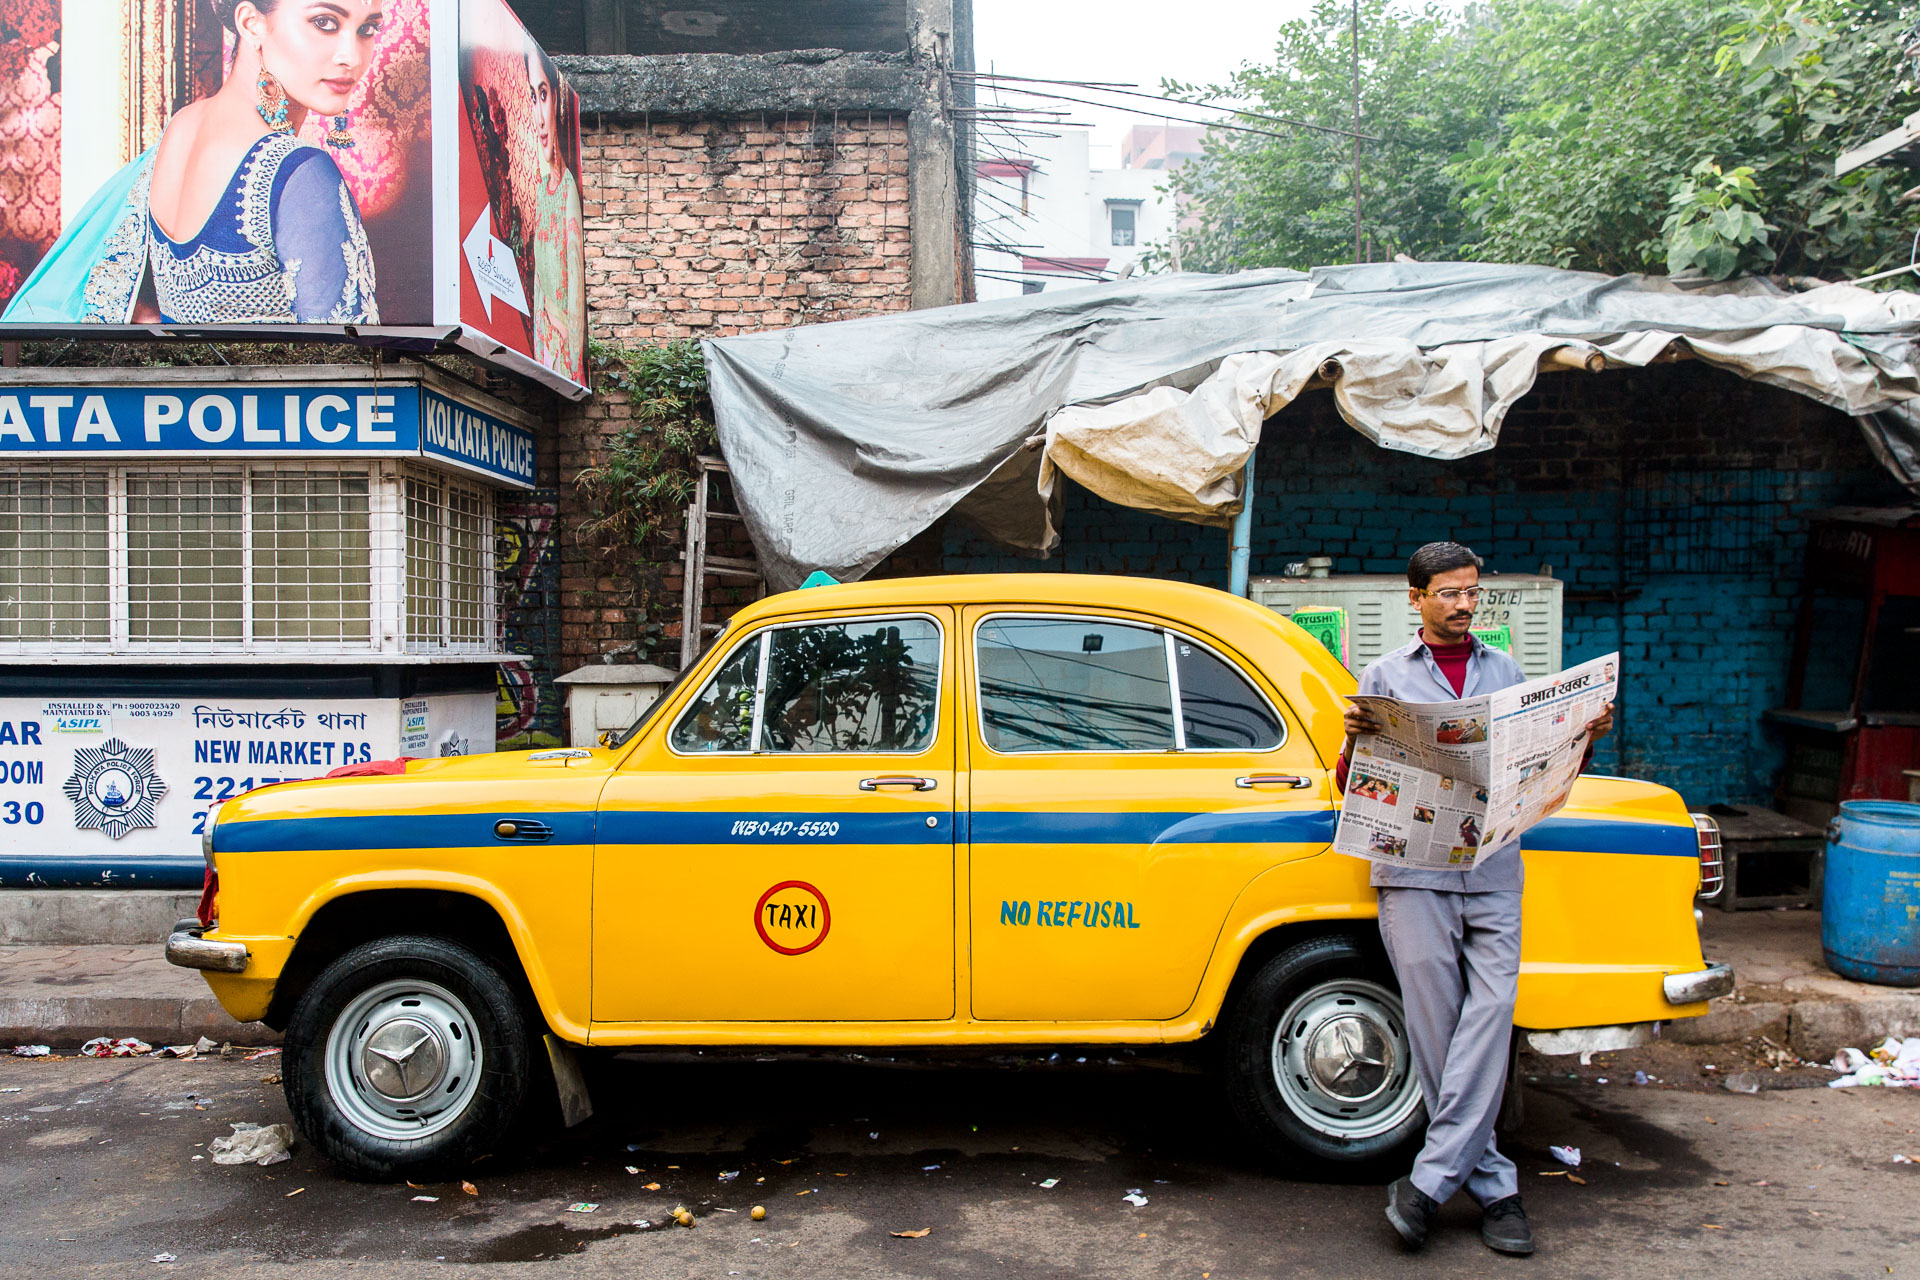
(1219, 708)
(1073, 684)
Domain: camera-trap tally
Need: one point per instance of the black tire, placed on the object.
(1338, 995)
(399, 1118)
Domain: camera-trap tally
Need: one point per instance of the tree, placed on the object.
(1269, 201)
(1610, 135)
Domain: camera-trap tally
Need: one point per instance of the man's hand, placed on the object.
(1598, 727)
(1361, 720)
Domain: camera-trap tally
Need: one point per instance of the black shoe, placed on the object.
(1411, 1211)
(1504, 1227)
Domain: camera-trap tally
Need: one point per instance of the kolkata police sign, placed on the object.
(252, 420)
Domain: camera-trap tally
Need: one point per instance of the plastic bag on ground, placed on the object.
(106, 1047)
(31, 1051)
(253, 1144)
(1895, 1064)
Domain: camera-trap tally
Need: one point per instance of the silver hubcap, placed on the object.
(1341, 1060)
(403, 1060)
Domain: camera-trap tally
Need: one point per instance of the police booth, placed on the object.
(220, 576)
(215, 579)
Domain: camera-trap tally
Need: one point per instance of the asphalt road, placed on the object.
(98, 1175)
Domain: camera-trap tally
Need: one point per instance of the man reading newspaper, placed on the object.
(1451, 924)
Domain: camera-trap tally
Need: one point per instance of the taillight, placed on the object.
(1712, 862)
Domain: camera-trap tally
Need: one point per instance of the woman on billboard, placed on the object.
(230, 218)
(559, 293)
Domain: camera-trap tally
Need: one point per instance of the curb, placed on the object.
(1814, 1029)
(67, 1022)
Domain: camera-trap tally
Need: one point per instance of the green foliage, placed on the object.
(1287, 201)
(637, 491)
(1609, 135)
(1713, 227)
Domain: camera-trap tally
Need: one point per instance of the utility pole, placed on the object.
(1356, 130)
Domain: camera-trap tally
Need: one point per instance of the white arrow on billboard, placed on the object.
(491, 262)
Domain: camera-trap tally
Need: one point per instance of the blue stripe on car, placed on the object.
(695, 827)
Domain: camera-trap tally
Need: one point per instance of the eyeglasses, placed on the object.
(1454, 595)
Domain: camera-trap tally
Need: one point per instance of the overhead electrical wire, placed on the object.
(997, 83)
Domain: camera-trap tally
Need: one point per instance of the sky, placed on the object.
(1200, 41)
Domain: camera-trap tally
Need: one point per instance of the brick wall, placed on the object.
(1672, 501)
(707, 227)
(710, 227)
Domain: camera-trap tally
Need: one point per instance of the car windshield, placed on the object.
(625, 735)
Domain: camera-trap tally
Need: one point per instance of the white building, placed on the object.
(1046, 218)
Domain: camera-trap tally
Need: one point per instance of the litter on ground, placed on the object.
(1134, 1198)
(1568, 1156)
(1048, 1184)
(426, 1199)
(920, 1234)
(1894, 1065)
(582, 1207)
(253, 1144)
(31, 1051)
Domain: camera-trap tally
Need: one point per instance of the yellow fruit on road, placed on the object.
(759, 1212)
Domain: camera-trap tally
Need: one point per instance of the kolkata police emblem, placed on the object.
(113, 788)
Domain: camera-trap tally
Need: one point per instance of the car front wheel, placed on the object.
(407, 1055)
(1318, 1060)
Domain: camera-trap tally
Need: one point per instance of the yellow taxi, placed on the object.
(996, 810)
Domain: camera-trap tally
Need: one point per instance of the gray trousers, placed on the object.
(1457, 956)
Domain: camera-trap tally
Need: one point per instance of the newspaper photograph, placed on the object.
(1443, 780)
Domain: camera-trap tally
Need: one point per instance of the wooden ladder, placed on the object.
(701, 564)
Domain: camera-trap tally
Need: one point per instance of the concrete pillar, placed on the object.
(933, 176)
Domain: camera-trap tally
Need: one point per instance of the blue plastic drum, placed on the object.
(1870, 913)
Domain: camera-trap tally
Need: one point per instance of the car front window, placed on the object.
(871, 685)
(721, 717)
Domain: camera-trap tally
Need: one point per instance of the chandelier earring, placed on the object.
(273, 103)
(337, 136)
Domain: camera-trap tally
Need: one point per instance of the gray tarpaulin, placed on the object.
(846, 439)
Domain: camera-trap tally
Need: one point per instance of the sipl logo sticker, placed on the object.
(792, 917)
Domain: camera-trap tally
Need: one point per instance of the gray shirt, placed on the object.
(1410, 674)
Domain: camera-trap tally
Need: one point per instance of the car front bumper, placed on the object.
(1704, 984)
(186, 948)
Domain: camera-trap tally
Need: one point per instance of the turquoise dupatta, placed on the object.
(57, 291)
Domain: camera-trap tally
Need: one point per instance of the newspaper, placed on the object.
(1444, 780)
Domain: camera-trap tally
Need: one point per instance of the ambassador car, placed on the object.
(1003, 810)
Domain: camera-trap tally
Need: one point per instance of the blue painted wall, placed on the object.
(1672, 501)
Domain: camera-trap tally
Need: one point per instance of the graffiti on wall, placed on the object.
(526, 559)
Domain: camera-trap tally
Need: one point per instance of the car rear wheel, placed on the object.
(407, 1055)
(1318, 1061)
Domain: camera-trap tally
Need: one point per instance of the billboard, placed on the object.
(268, 168)
(521, 281)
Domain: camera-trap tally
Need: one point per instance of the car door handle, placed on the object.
(1273, 780)
(899, 780)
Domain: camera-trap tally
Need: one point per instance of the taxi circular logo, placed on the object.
(792, 917)
(113, 788)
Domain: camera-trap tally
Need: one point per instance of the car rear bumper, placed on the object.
(1704, 984)
(186, 948)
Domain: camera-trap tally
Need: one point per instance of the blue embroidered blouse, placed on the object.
(284, 244)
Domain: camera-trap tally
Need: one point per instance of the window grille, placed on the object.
(186, 550)
(449, 565)
(312, 557)
(55, 557)
(278, 557)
